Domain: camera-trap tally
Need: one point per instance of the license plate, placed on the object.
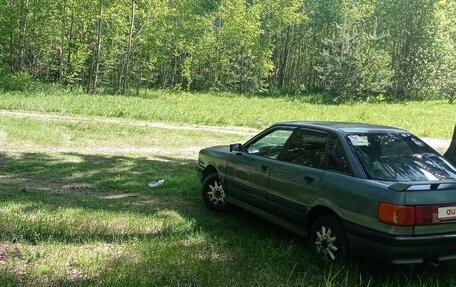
(447, 212)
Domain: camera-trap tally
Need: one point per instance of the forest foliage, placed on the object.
(349, 49)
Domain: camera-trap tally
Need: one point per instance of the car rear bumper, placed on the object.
(399, 249)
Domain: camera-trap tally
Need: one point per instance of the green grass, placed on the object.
(429, 119)
(74, 215)
(105, 235)
(29, 133)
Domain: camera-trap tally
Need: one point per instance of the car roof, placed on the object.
(344, 127)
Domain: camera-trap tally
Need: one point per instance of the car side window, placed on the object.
(337, 158)
(270, 145)
(307, 148)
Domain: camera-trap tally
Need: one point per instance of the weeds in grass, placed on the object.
(427, 119)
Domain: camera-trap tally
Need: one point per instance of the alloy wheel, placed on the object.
(325, 243)
(216, 194)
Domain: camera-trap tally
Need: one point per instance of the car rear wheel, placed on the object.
(328, 240)
(214, 193)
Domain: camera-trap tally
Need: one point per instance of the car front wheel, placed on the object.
(214, 193)
(328, 239)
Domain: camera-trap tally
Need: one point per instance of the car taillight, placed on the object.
(410, 215)
(398, 215)
(426, 215)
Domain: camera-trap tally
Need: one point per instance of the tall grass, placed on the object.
(430, 119)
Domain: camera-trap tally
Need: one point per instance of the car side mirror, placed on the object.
(235, 147)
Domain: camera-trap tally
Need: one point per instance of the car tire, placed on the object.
(327, 239)
(214, 194)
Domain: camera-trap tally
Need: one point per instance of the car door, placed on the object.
(294, 179)
(247, 172)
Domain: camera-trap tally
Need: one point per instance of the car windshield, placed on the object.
(399, 157)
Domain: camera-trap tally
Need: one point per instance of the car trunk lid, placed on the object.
(434, 202)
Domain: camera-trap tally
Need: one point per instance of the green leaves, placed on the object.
(350, 49)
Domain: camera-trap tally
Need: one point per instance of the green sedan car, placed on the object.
(353, 189)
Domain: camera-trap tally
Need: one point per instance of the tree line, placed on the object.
(348, 49)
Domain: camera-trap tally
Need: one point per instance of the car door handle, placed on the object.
(309, 179)
(264, 168)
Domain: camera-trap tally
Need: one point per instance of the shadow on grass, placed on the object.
(97, 173)
(113, 189)
(116, 184)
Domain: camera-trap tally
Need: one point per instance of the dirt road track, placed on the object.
(434, 142)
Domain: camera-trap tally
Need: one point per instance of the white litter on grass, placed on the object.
(154, 184)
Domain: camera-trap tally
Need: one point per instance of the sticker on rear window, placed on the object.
(357, 140)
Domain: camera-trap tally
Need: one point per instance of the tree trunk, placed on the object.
(130, 37)
(62, 39)
(70, 42)
(98, 46)
(284, 60)
(11, 36)
(22, 44)
(33, 46)
(92, 79)
(450, 155)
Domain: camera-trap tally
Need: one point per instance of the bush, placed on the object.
(15, 82)
(22, 82)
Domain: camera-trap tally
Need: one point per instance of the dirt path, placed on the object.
(184, 153)
(434, 142)
(437, 143)
(118, 121)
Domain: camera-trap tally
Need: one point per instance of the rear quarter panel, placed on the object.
(444, 196)
(356, 201)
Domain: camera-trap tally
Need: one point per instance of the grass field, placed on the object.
(75, 208)
(430, 119)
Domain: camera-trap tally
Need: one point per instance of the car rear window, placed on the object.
(399, 157)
